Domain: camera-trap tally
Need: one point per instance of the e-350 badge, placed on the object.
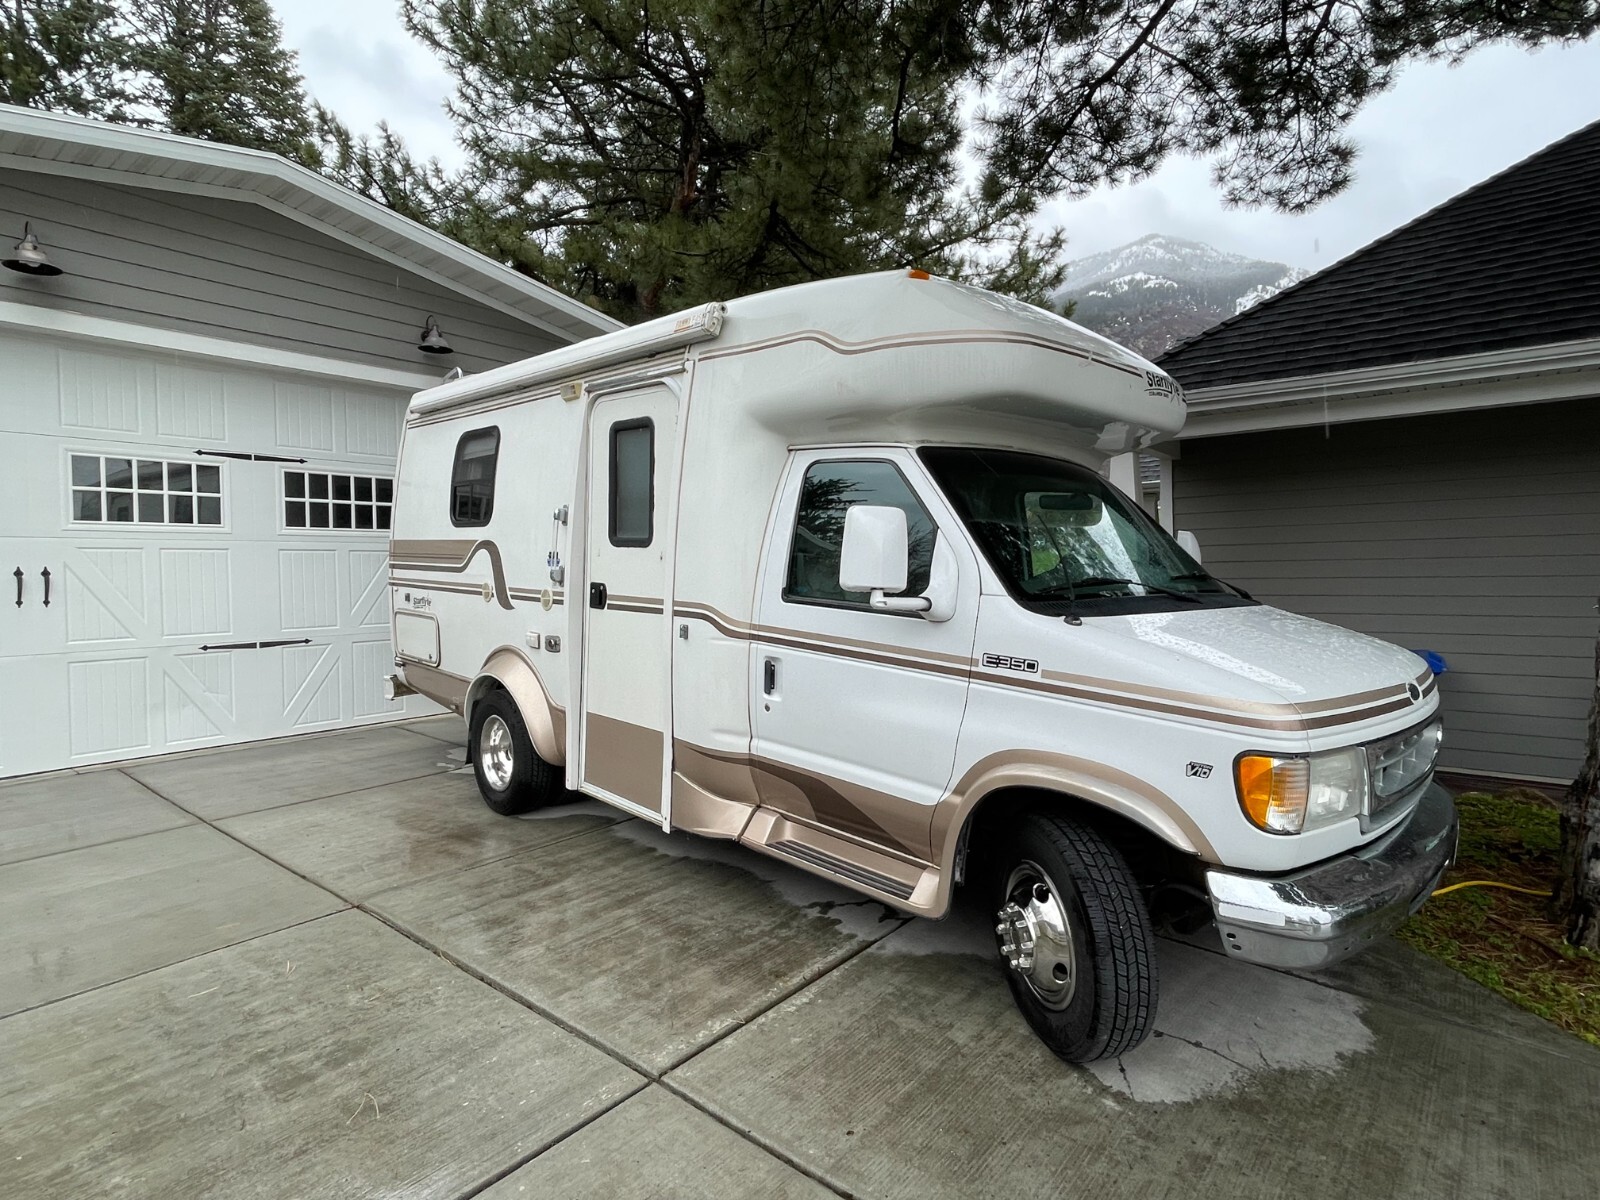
(1009, 662)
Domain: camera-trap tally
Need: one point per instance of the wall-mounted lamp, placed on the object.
(28, 258)
(432, 341)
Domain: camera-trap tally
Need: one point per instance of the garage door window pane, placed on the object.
(318, 500)
(146, 492)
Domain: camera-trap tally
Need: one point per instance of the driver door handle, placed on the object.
(597, 595)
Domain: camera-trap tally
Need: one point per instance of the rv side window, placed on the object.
(633, 467)
(472, 477)
(827, 492)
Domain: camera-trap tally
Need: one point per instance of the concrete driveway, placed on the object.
(322, 968)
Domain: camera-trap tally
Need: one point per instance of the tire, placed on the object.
(511, 776)
(1091, 994)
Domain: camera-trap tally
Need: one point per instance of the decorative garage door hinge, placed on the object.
(243, 457)
(259, 645)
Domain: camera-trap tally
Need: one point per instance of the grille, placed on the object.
(1400, 767)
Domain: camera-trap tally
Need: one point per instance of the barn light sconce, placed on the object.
(432, 341)
(29, 258)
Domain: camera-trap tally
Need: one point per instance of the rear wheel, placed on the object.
(1074, 939)
(512, 778)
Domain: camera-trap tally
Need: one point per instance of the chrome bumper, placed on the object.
(1317, 916)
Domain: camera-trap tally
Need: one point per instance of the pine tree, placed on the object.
(649, 156)
(218, 70)
(62, 55)
(1081, 93)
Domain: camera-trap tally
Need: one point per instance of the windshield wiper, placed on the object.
(1198, 575)
(1094, 582)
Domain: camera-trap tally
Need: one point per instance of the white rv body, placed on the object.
(709, 694)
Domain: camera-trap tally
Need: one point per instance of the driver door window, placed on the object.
(827, 492)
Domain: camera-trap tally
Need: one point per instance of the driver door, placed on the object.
(857, 710)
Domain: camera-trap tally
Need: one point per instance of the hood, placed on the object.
(1259, 660)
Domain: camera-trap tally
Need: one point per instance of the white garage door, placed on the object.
(192, 554)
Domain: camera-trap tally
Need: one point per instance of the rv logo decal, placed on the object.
(1007, 662)
(1158, 384)
(1198, 770)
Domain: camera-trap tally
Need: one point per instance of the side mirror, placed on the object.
(876, 557)
(1190, 544)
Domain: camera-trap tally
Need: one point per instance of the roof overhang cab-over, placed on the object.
(893, 356)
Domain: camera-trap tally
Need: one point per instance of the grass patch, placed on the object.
(1500, 938)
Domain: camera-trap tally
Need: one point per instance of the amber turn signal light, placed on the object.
(1272, 791)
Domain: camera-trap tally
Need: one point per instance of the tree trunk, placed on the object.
(1576, 900)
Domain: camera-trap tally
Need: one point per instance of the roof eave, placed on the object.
(257, 176)
(1499, 378)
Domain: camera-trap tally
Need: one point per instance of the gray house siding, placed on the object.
(234, 270)
(1474, 534)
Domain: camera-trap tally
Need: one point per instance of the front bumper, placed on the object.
(1317, 916)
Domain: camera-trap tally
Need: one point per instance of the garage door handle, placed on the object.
(46, 575)
(597, 595)
(18, 574)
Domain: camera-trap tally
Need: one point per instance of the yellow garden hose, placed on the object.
(1510, 887)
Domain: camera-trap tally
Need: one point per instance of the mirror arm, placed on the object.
(911, 604)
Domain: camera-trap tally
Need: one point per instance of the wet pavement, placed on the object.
(321, 967)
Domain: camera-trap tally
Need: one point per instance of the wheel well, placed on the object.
(1152, 859)
(483, 687)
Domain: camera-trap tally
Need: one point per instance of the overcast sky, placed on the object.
(1437, 132)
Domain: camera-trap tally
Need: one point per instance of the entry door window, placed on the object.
(633, 468)
(831, 489)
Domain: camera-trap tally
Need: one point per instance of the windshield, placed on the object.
(1059, 534)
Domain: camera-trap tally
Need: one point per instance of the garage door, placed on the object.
(191, 554)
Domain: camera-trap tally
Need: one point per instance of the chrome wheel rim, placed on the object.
(1035, 936)
(495, 753)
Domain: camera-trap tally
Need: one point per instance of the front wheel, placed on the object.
(1074, 939)
(512, 778)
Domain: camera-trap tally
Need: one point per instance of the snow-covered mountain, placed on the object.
(1159, 290)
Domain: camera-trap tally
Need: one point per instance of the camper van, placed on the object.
(835, 572)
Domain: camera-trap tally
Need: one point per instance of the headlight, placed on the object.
(1292, 795)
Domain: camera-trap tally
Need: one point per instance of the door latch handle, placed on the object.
(18, 574)
(597, 595)
(46, 574)
(769, 676)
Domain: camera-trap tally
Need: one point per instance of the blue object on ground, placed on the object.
(1434, 659)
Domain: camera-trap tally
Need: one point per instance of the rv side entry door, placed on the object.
(625, 698)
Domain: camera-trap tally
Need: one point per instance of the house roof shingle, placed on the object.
(1514, 261)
